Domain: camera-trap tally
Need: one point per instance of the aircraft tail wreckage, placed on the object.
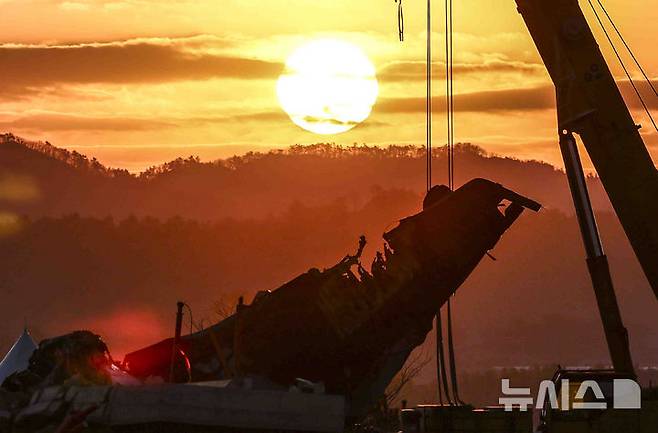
(345, 327)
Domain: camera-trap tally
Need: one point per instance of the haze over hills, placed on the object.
(253, 185)
(209, 232)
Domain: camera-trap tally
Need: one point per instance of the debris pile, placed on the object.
(341, 333)
(346, 327)
(79, 358)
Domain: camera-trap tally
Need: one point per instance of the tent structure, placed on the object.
(18, 356)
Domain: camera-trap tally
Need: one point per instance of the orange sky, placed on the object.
(140, 82)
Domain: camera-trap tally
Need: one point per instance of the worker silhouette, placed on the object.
(378, 267)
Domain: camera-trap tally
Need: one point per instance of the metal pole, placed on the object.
(177, 334)
(597, 263)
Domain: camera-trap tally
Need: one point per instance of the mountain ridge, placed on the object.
(258, 183)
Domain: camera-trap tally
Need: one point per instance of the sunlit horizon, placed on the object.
(136, 84)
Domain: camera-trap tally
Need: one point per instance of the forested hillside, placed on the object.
(207, 233)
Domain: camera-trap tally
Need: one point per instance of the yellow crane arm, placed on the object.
(590, 105)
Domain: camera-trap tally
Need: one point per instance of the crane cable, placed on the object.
(450, 120)
(428, 98)
(442, 375)
(621, 61)
(628, 48)
(449, 93)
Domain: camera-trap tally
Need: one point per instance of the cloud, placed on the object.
(525, 99)
(27, 68)
(74, 6)
(539, 98)
(53, 122)
(273, 116)
(72, 122)
(264, 116)
(415, 70)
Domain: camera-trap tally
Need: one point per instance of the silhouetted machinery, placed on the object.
(590, 105)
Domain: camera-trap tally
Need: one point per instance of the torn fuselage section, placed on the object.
(347, 327)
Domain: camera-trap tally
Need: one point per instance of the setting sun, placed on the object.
(328, 86)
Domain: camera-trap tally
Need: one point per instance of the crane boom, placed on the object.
(590, 105)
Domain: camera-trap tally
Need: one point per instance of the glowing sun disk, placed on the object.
(328, 86)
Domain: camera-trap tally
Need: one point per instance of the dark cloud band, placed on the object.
(415, 71)
(528, 99)
(24, 69)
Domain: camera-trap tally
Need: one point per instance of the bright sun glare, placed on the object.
(328, 87)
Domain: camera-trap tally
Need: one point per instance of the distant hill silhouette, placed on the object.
(209, 232)
(256, 185)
